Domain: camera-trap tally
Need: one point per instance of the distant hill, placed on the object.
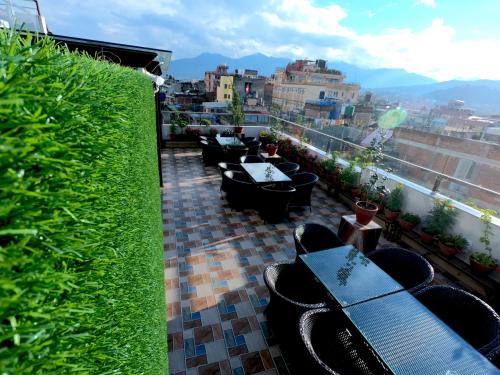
(480, 95)
(195, 68)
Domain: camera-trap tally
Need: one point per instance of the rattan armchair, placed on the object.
(409, 269)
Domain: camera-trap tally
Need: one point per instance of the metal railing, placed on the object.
(453, 187)
(450, 186)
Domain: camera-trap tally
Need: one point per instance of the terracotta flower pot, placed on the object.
(390, 215)
(406, 226)
(271, 149)
(365, 211)
(426, 237)
(238, 130)
(355, 191)
(446, 250)
(479, 267)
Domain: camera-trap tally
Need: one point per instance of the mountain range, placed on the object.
(395, 84)
(195, 68)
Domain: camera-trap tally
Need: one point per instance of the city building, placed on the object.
(307, 80)
(224, 90)
(212, 81)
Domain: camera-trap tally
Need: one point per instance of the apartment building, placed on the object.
(306, 80)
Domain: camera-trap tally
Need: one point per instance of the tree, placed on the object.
(238, 115)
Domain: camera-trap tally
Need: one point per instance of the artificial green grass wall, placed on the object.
(81, 254)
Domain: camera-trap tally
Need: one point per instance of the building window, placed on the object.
(322, 95)
(225, 96)
(225, 86)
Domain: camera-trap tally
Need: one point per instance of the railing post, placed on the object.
(435, 188)
(328, 146)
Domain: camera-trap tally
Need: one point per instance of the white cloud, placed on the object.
(282, 28)
(370, 14)
(428, 3)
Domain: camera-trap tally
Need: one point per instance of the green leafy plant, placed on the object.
(81, 244)
(410, 218)
(456, 241)
(329, 165)
(205, 122)
(394, 200)
(349, 176)
(441, 217)
(238, 116)
(485, 238)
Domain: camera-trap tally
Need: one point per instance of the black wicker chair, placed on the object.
(409, 269)
(293, 291)
(245, 140)
(253, 147)
(274, 201)
(211, 153)
(288, 168)
(303, 184)
(467, 315)
(223, 167)
(331, 348)
(252, 159)
(234, 153)
(311, 237)
(240, 191)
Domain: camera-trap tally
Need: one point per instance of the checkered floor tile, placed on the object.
(214, 260)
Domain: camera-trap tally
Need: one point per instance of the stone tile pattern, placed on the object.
(214, 260)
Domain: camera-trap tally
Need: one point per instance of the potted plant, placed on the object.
(408, 221)
(439, 221)
(213, 132)
(349, 177)
(393, 203)
(264, 138)
(484, 262)
(272, 145)
(365, 211)
(238, 115)
(173, 130)
(450, 244)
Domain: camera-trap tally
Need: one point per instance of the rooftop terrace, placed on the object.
(214, 261)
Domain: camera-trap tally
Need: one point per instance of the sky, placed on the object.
(442, 39)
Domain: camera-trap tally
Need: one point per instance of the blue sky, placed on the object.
(443, 39)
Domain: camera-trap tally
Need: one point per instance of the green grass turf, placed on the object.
(81, 247)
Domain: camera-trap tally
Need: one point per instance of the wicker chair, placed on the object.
(245, 140)
(470, 317)
(253, 147)
(303, 183)
(223, 167)
(293, 291)
(331, 348)
(252, 159)
(240, 191)
(288, 168)
(409, 269)
(311, 237)
(234, 153)
(274, 201)
(211, 153)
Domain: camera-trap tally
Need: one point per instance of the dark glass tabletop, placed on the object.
(265, 173)
(229, 141)
(349, 276)
(412, 340)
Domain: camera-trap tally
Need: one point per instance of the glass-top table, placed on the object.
(229, 141)
(349, 276)
(262, 173)
(412, 340)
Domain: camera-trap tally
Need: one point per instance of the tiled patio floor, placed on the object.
(214, 259)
